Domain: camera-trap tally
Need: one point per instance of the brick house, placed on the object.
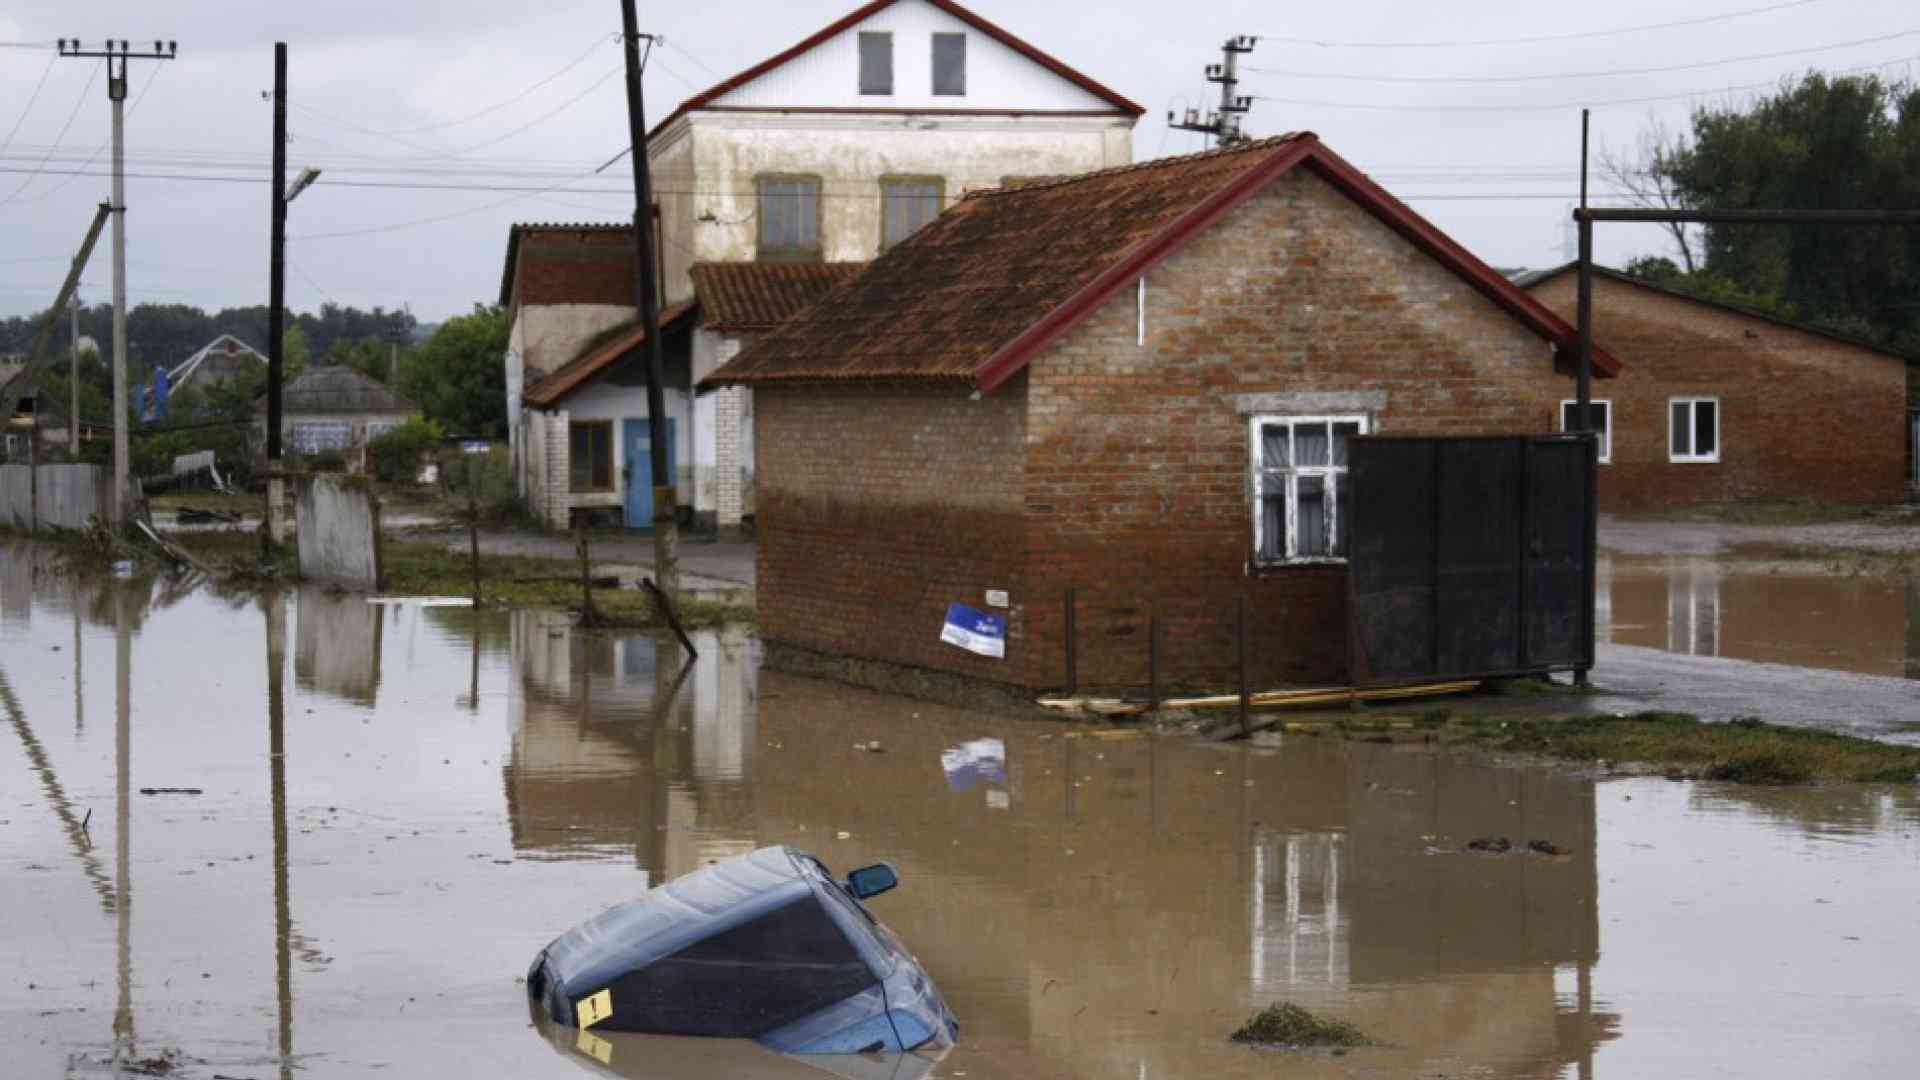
(1138, 381)
(813, 160)
(1721, 403)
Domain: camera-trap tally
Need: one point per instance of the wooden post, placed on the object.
(1153, 662)
(1073, 681)
(665, 603)
(473, 528)
(1240, 647)
(588, 617)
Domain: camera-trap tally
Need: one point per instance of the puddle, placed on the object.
(1769, 611)
(401, 804)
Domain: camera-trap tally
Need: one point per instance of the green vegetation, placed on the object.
(456, 375)
(1744, 751)
(394, 455)
(521, 581)
(1287, 1024)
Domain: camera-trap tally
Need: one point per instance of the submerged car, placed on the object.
(765, 946)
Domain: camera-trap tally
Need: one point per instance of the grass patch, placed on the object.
(1287, 1024)
(1770, 512)
(1743, 751)
(419, 568)
(1842, 561)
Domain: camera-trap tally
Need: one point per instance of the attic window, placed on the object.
(876, 62)
(950, 64)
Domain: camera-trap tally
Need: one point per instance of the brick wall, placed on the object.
(1801, 415)
(879, 506)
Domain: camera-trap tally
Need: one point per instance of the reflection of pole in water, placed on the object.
(277, 772)
(79, 694)
(122, 826)
(473, 686)
(72, 824)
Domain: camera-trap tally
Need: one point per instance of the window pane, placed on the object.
(1706, 428)
(1273, 524)
(949, 63)
(1342, 513)
(876, 63)
(1310, 443)
(1682, 429)
(602, 456)
(788, 215)
(1341, 433)
(1273, 446)
(909, 205)
(1310, 520)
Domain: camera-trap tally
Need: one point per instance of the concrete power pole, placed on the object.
(666, 528)
(1227, 124)
(116, 54)
(73, 380)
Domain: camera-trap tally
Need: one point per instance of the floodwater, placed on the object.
(399, 805)
(1780, 612)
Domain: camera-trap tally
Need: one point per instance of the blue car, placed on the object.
(765, 946)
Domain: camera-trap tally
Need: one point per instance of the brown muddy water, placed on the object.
(1769, 610)
(399, 804)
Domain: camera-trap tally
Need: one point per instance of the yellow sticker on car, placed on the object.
(594, 1008)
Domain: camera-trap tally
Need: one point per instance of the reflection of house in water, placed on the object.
(595, 767)
(336, 647)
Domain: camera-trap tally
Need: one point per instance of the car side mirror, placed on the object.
(872, 880)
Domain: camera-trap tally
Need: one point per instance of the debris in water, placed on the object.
(1497, 844)
(1289, 1025)
(1546, 847)
(171, 791)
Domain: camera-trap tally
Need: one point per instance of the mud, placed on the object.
(400, 804)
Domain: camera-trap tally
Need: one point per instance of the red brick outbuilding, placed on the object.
(1136, 383)
(1721, 403)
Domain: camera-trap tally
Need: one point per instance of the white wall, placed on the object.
(829, 74)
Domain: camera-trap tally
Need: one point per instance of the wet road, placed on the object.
(399, 805)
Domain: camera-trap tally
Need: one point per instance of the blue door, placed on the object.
(639, 470)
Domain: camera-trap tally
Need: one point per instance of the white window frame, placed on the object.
(1606, 433)
(1335, 475)
(1719, 430)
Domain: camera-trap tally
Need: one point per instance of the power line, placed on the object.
(31, 98)
(1560, 75)
(152, 74)
(517, 98)
(1575, 104)
(1539, 38)
(64, 128)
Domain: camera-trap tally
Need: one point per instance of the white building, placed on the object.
(768, 189)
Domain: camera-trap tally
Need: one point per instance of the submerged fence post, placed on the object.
(1240, 647)
(473, 528)
(1153, 662)
(588, 617)
(1073, 680)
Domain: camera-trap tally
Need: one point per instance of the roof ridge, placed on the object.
(1254, 146)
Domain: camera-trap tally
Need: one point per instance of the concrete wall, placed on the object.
(1801, 415)
(69, 496)
(338, 522)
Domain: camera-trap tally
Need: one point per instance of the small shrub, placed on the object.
(1760, 766)
(327, 461)
(394, 456)
(1287, 1024)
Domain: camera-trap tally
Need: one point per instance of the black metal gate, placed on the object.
(1471, 557)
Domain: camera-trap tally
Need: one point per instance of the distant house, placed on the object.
(334, 407)
(1720, 403)
(788, 175)
(222, 360)
(1142, 381)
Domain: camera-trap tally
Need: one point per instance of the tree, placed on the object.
(1657, 269)
(458, 376)
(1646, 181)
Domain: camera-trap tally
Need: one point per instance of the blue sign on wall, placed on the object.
(975, 631)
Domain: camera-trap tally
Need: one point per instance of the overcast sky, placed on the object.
(396, 92)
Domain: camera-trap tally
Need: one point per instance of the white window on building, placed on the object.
(907, 205)
(876, 62)
(313, 436)
(1693, 429)
(377, 428)
(1601, 421)
(950, 65)
(1301, 499)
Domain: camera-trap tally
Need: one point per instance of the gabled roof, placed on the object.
(758, 296)
(986, 286)
(220, 344)
(571, 375)
(337, 388)
(1530, 279)
(596, 289)
(709, 96)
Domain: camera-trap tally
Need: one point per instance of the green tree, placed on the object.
(459, 375)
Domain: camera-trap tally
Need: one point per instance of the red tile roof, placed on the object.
(995, 279)
(572, 374)
(568, 263)
(757, 296)
(852, 18)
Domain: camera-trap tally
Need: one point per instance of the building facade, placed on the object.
(1161, 369)
(823, 155)
(1720, 404)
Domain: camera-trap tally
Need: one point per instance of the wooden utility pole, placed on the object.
(666, 528)
(277, 300)
(37, 356)
(116, 54)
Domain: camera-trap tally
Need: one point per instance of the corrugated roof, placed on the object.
(571, 375)
(999, 276)
(757, 296)
(336, 388)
